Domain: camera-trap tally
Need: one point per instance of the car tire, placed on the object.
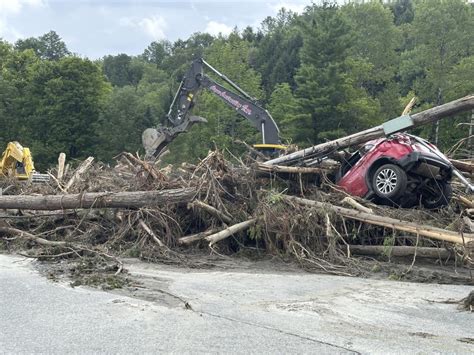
(389, 182)
(439, 195)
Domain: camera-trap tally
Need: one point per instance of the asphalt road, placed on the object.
(232, 312)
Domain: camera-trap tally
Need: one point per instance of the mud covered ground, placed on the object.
(102, 275)
(238, 306)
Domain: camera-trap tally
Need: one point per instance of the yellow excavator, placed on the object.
(17, 162)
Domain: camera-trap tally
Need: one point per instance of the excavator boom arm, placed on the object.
(155, 140)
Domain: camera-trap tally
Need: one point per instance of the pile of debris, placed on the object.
(95, 215)
(136, 209)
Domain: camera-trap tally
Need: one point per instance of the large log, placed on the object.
(428, 116)
(134, 199)
(377, 250)
(383, 221)
(466, 166)
(260, 167)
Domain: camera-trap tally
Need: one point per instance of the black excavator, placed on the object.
(156, 139)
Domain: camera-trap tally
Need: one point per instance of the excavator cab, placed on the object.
(17, 162)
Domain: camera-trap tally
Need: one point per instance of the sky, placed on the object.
(94, 28)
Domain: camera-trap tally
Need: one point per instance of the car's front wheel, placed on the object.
(389, 181)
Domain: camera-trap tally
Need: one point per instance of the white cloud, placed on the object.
(8, 7)
(153, 26)
(295, 6)
(215, 28)
(8, 32)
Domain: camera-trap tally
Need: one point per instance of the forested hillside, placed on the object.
(329, 71)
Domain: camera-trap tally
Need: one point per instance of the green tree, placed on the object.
(328, 80)
(156, 52)
(67, 97)
(277, 55)
(375, 40)
(402, 10)
(284, 108)
(442, 35)
(123, 69)
(49, 46)
(129, 111)
(17, 69)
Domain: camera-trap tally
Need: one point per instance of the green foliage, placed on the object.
(68, 96)
(375, 44)
(277, 54)
(402, 10)
(329, 79)
(330, 71)
(129, 110)
(49, 46)
(284, 109)
(157, 52)
(123, 70)
(443, 32)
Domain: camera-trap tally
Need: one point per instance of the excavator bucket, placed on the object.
(155, 140)
(152, 138)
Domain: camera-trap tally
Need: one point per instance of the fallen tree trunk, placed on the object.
(428, 116)
(377, 250)
(354, 204)
(29, 236)
(466, 166)
(195, 237)
(86, 164)
(61, 166)
(465, 201)
(134, 199)
(150, 232)
(214, 238)
(260, 167)
(383, 221)
(211, 210)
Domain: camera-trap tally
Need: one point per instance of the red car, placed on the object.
(402, 170)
